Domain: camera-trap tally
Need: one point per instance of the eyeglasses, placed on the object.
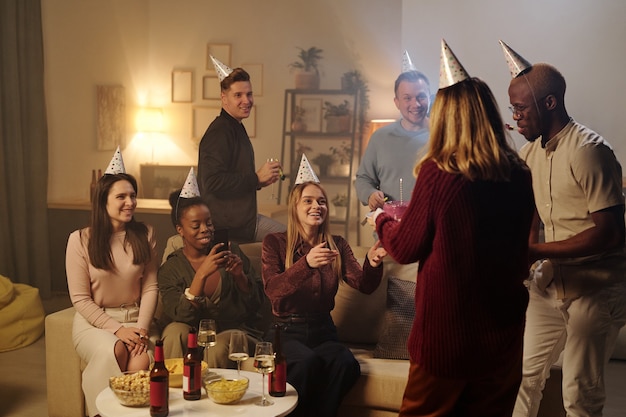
(518, 111)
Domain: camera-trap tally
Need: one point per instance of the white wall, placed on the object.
(583, 39)
(138, 43)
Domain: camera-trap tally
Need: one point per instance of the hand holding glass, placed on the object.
(264, 364)
(238, 348)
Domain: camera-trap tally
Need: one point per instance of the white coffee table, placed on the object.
(109, 406)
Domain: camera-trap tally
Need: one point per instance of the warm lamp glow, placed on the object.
(374, 125)
(149, 119)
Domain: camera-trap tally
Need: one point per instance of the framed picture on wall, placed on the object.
(312, 113)
(221, 51)
(211, 89)
(201, 118)
(182, 86)
(256, 77)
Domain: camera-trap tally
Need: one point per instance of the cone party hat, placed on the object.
(516, 63)
(450, 69)
(407, 64)
(116, 166)
(305, 172)
(190, 188)
(221, 69)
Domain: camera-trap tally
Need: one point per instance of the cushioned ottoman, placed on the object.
(21, 315)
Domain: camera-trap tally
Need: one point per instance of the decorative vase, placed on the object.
(298, 125)
(307, 80)
(340, 212)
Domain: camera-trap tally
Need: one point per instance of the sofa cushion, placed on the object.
(360, 318)
(399, 316)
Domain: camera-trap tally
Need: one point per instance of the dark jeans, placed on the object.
(320, 368)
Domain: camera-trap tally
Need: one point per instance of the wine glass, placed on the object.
(273, 196)
(238, 348)
(206, 335)
(264, 364)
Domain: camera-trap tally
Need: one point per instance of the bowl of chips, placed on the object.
(175, 367)
(132, 389)
(226, 390)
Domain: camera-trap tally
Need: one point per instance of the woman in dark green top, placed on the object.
(198, 282)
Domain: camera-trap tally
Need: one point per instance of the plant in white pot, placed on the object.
(308, 76)
(343, 158)
(340, 204)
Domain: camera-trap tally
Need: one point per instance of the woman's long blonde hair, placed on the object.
(467, 134)
(295, 230)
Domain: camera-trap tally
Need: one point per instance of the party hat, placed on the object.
(516, 63)
(190, 188)
(450, 69)
(407, 64)
(116, 166)
(222, 70)
(305, 172)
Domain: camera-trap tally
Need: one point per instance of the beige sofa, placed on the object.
(360, 319)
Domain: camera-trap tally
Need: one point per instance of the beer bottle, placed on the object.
(159, 384)
(192, 368)
(278, 377)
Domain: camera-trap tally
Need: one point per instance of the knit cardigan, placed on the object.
(471, 239)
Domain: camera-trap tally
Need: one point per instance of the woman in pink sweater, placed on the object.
(467, 224)
(111, 275)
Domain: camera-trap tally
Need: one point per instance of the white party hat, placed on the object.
(305, 172)
(450, 69)
(407, 64)
(222, 70)
(516, 63)
(116, 166)
(190, 188)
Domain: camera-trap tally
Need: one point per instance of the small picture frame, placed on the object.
(201, 118)
(221, 52)
(256, 77)
(182, 86)
(312, 113)
(250, 123)
(211, 89)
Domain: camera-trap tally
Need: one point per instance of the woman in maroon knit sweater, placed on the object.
(467, 224)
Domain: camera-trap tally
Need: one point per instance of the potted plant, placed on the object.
(352, 82)
(340, 204)
(323, 161)
(343, 157)
(308, 76)
(337, 117)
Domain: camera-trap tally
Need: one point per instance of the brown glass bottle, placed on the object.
(192, 368)
(278, 377)
(159, 384)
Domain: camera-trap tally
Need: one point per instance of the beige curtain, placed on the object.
(24, 246)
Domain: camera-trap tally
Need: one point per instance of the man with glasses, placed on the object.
(578, 290)
(392, 150)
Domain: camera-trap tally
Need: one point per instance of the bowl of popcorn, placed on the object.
(226, 390)
(132, 389)
(175, 368)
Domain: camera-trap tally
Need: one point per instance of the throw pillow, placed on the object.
(399, 316)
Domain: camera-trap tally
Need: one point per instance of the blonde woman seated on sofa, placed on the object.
(111, 275)
(302, 269)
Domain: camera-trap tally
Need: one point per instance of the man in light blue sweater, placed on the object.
(386, 171)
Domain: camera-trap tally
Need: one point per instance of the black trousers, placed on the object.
(320, 368)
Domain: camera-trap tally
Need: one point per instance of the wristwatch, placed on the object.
(192, 297)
